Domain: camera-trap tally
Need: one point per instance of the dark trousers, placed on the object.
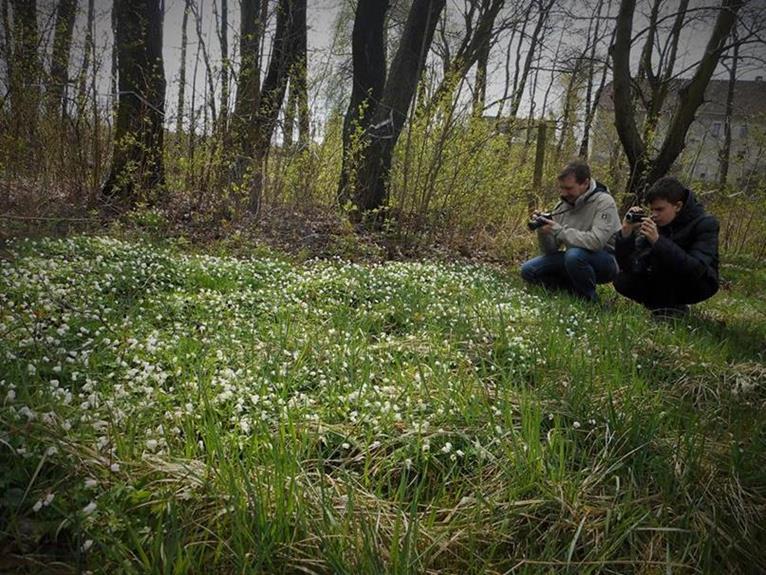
(576, 270)
(664, 290)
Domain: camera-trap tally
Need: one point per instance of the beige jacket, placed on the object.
(591, 223)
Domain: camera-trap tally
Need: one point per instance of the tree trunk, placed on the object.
(223, 38)
(209, 76)
(542, 18)
(391, 113)
(645, 170)
(297, 99)
(182, 75)
(283, 58)
(476, 42)
(553, 75)
(480, 87)
(507, 84)
(569, 107)
(193, 119)
(590, 104)
(82, 77)
(368, 50)
(7, 37)
(137, 167)
(585, 143)
(24, 82)
(62, 43)
(517, 59)
(725, 155)
(299, 80)
(289, 117)
(624, 119)
(692, 94)
(248, 92)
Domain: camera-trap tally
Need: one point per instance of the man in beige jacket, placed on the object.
(583, 223)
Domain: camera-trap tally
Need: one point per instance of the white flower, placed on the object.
(90, 483)
(48, 499)
(345, 445)
(31, 369)
(89, 508)
(447, 447)
(10, 396)
(87, 545)
(115, 467)
(151, 444)
(37, 506)
(576, 425)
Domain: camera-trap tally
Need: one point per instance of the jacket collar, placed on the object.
(586, 196)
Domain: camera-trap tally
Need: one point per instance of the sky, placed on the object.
(322, 15)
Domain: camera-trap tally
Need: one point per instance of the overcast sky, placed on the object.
(321, 17)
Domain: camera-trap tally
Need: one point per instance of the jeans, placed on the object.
(577, 270)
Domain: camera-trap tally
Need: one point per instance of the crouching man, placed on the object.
(583, 223)
(668, 258)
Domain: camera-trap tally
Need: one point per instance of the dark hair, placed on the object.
(668, 189)
(577, 168)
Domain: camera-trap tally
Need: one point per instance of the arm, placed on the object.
(700, 256)
(606, 222)
(546, 241)
(545, 237)
(624, 248)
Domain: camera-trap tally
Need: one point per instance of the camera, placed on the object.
(635, 217)
(537, 221)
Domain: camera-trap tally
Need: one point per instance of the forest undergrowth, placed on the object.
(163, 408)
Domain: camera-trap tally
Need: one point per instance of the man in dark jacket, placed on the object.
(670, 258)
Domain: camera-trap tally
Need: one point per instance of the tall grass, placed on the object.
(167, 413)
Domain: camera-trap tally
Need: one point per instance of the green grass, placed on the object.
(162, 412)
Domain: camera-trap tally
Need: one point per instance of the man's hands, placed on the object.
(645, 227)
(548, 227)
(649, 230)
(627, 227)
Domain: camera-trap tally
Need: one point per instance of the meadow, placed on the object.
(163, 411)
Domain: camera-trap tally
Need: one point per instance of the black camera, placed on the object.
(537, 220)
(635, 217)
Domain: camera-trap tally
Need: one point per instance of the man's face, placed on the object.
(663, 212)
(570, 190)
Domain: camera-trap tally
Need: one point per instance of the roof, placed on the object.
(749, 97)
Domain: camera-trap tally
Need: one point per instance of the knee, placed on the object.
(528, 272)
(575, 257)
(622, 283)
(629, 286)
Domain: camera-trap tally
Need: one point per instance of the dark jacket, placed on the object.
(687, 247)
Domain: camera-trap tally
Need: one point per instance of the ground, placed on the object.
(161, 410)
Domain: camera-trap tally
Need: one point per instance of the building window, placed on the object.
(743, 131)
(715, 129)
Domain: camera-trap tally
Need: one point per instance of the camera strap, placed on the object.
(569, 209)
